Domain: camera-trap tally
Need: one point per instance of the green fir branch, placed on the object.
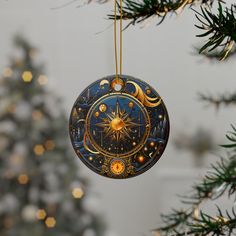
(215, 55)
(216, 182)
(220, 29)
(181, 223)
(139, 11)
(217, 101)
(217, 225)
(231, 136)
(222, 177)
(175, 221)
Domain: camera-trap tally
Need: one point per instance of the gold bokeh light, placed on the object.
(27, 76)
(41, 214)
(77, 193)
(42, 79)
(50, 222)
(23, 179)
(7, 72)
(37, 115)
(39, 150)
(49, 144)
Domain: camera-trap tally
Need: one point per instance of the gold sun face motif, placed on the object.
(117, 124)
(119, 127)
(116, 130)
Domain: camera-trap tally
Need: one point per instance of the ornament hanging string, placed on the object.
(115, 37)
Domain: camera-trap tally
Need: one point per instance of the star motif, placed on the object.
(117, 124)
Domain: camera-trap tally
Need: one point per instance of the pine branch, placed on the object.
(175, 221)
(229, 99)
(222, 177)
(209, 225)
(216, 182)
(220, 29)
(182, 223)
(139, 11)
(215, 55)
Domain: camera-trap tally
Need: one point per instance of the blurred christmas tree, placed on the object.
(41, 190)
(200, 143)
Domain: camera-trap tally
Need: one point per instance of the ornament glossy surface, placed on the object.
(119, 127)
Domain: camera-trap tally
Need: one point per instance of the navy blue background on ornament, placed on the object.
(85, 105)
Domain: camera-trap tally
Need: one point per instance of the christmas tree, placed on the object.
(41, 190)
(219, 25)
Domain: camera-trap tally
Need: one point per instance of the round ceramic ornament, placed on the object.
(119, 126)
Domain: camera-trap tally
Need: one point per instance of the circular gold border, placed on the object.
(102, 151)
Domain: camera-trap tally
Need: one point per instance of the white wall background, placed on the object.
(75, 56)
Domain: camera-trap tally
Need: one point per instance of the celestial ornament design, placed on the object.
(119, 127)
(103, 107)
(117, 167)
(96, 114)
(141, 159)
(131, 104)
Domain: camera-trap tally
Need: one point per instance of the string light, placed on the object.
(37, 115)
(33, 53)
(50, 222)
(221, 219)
(7, 72)
(11, 108)
(196, 213)
(8, 222)
(42, 80)
(23, 179)
(77, 193)
(49, 144)
(8, 174)
(18, 62)
(27, 76)
(41, 214)
(16, 159)
(156, 233)
(39, 150)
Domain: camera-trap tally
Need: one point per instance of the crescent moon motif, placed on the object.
(86, 146)
(143, 98)
(103, 82)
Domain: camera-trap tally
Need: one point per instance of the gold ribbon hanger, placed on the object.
(115, 38)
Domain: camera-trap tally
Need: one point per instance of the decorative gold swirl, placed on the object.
(87, 147)
(143, 98)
